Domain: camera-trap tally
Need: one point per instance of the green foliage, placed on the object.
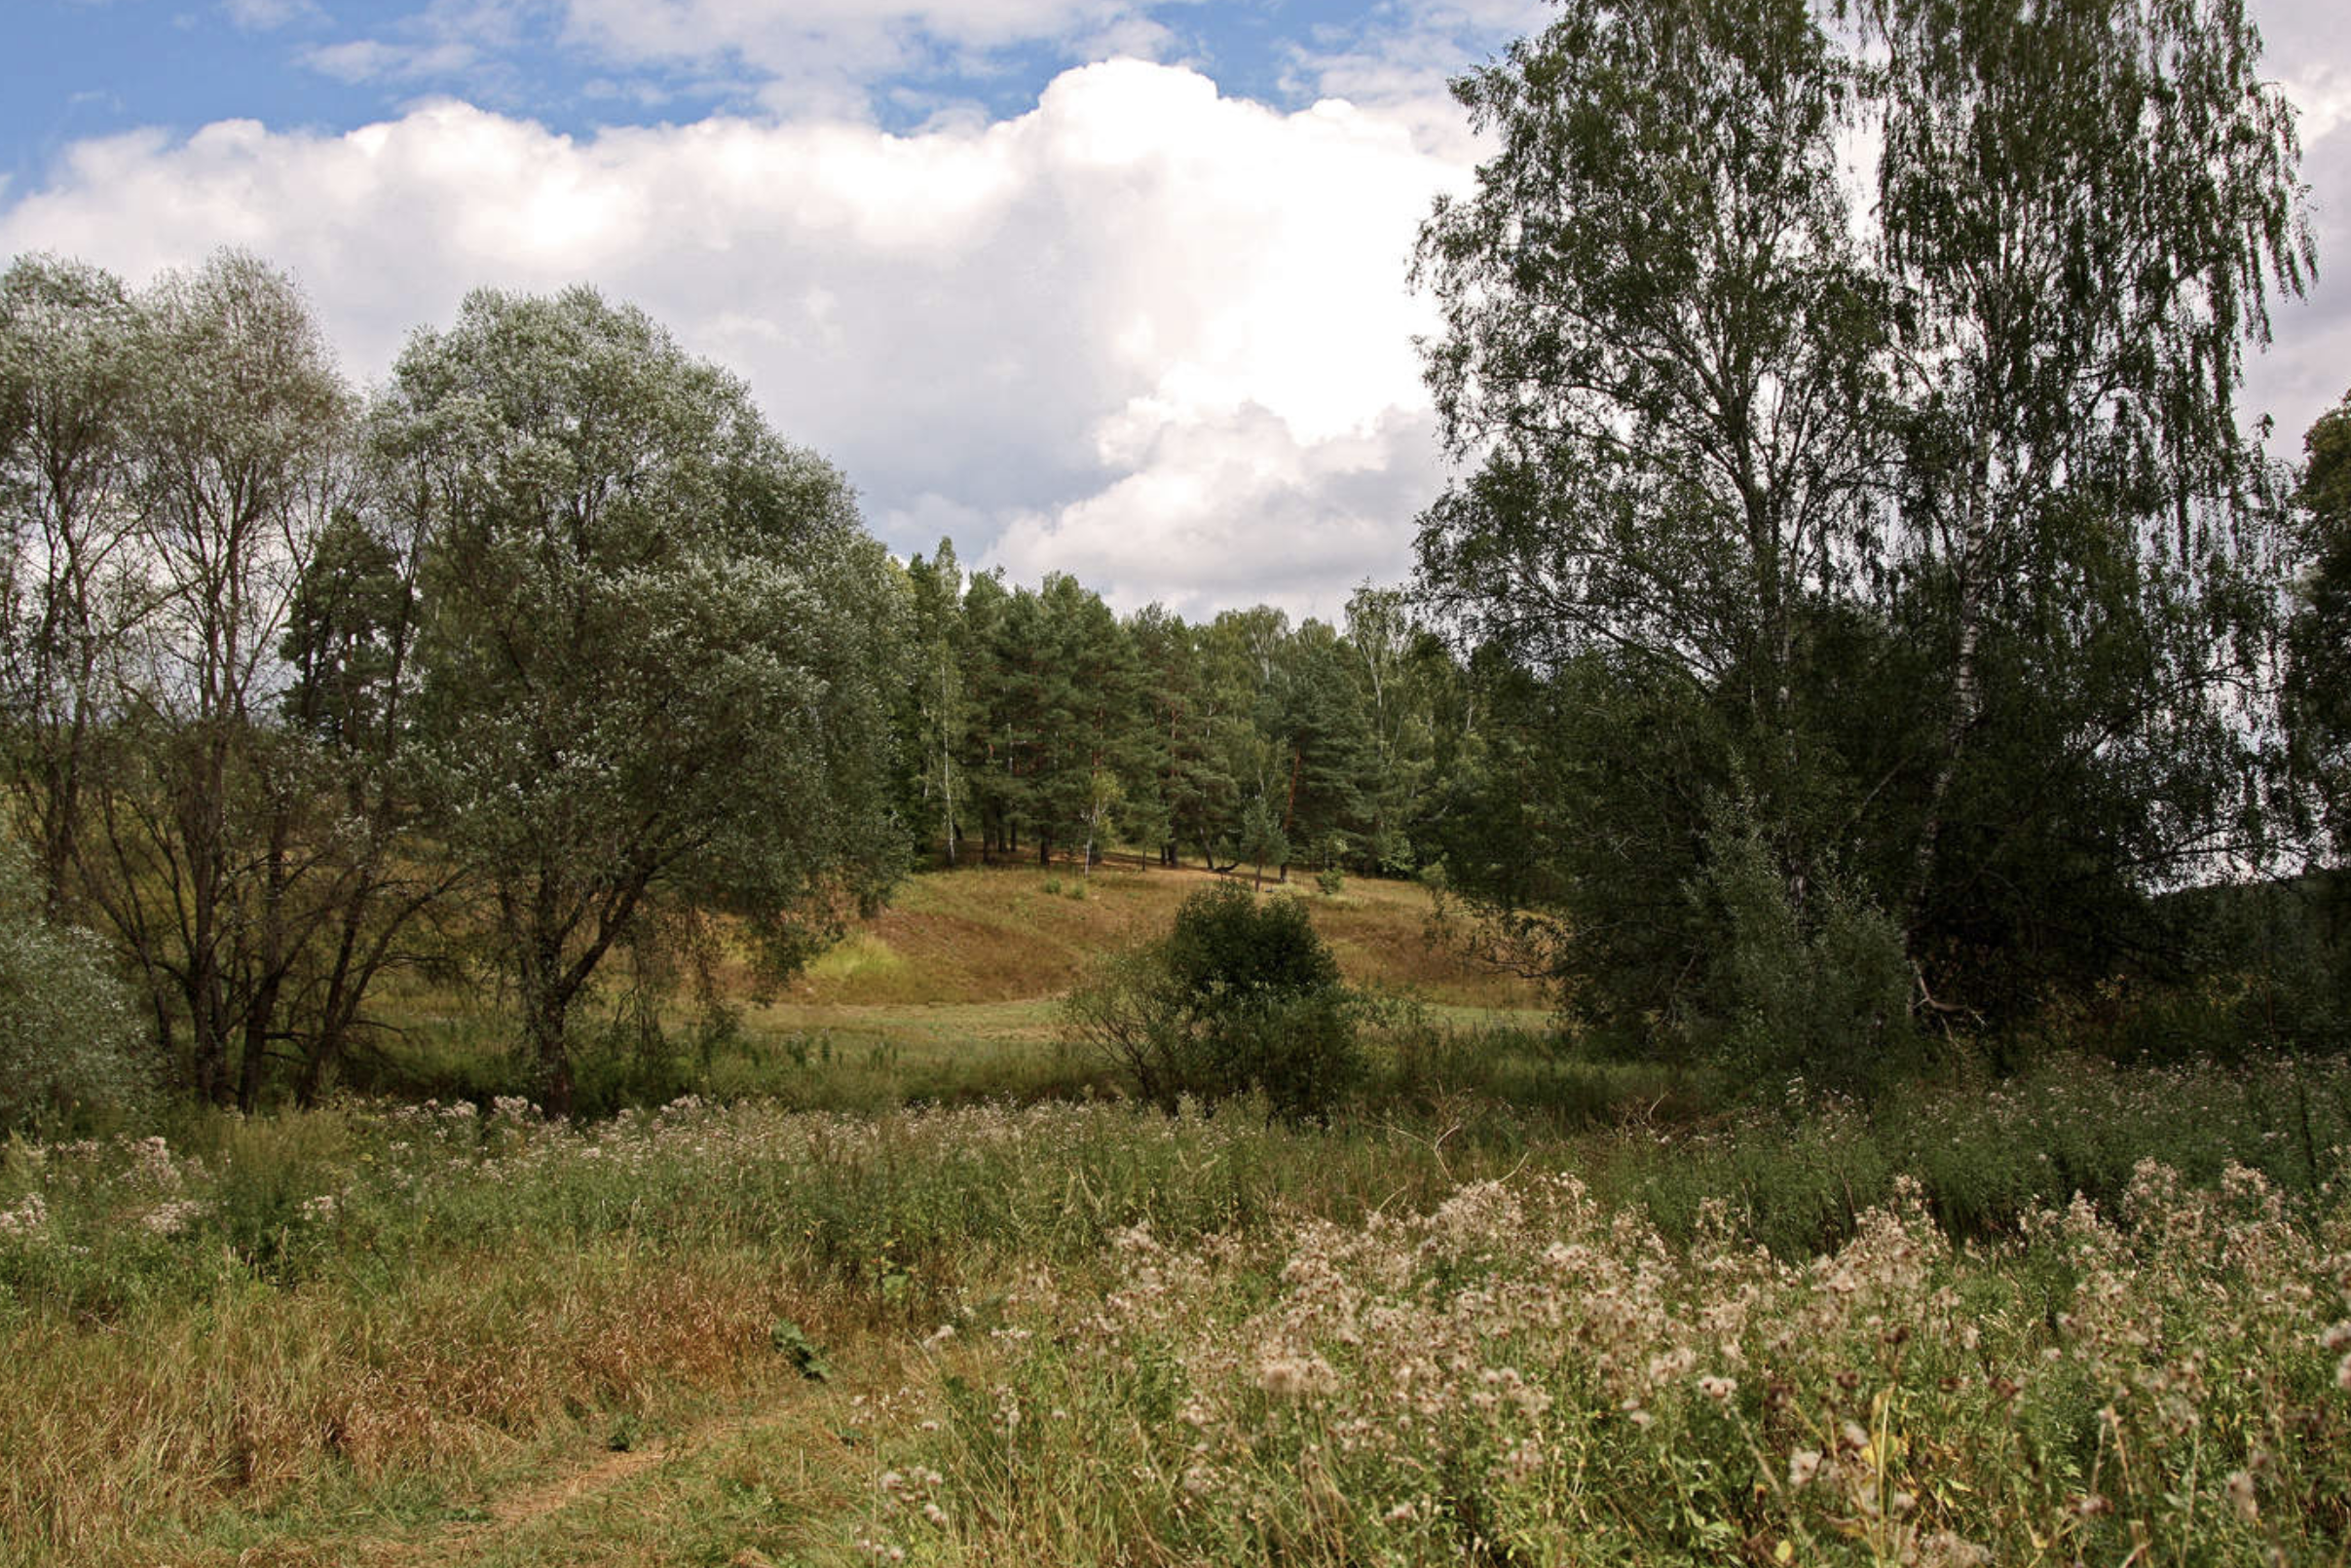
(658, 648)
(1984, 1155)
(808, 1357)
(2319, 636)
(69, 1044)
(1259, 837)
(1807, 982)
(1240, 995)
(1227, 939)
(1779, 491)
(936, 722)
(2266, 974)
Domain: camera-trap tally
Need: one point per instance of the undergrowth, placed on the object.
(248, 1325)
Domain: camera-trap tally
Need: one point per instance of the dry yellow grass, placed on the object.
(1003, 934)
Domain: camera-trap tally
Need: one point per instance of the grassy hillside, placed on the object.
(950, 993)
(1018, 933)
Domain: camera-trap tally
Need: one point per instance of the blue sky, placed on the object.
(82, 68)
(1111, 287)
(79, 68)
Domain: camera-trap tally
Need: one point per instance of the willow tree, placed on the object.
(657, 647)
(176, 452)
(69, 555)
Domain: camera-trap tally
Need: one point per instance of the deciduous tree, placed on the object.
(1911, 527)
(658, 648)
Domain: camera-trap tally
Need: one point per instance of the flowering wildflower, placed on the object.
(1294, 1377)
(1802, 1465)
(26, 1217)
(152, 1157)
(172, 1217)
(1672, 1365)
(1943, 1550)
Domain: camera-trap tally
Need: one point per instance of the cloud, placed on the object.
(1144, 332)
(2307, 368)
(446, 40)
(267, 16)
(1400, 57)
(1234, 509)
(819, 58)
(2302, 47)
(371, 59)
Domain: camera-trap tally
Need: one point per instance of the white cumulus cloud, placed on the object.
(1143, 332)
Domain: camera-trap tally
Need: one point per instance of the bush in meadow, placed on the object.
(1813, 986)
(68, 1043)
(1240, 995)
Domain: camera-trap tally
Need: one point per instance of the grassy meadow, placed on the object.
(950, 993)
(907, 1282)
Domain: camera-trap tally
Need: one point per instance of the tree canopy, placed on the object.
(659, 651)
(1856, 605)
(1851, 470)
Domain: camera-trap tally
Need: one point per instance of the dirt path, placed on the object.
(627, 1490)
(512, 1513)
(780, 1478)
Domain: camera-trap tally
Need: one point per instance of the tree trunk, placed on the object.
(254, 1057)
(262, 1009)
(325, 1052)
(550, 1053)
(1966, 696)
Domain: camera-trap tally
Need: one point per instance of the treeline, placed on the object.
(1859, 617)
(528, 665)
(549, 665)
(1038, 722)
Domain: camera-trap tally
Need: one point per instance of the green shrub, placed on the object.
(1811, 985)
(69, 1041)
(1240, 996)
